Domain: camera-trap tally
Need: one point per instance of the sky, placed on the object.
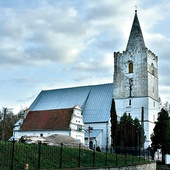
(51, 44)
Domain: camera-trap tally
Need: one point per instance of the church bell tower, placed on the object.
(135, 81)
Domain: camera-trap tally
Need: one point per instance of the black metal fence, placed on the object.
(14, 156)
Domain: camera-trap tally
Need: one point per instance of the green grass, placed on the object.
(50, 157)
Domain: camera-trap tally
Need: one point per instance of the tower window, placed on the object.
(152, 69)
(130, 103)
(130, 86)
(130, 67)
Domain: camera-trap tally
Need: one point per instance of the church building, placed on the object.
(134, 89)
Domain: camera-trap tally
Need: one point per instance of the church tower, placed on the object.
(136, 81)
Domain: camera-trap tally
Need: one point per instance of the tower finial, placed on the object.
(135, 8)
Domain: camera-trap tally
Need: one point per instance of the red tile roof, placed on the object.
(48, 120)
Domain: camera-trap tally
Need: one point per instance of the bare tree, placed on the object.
(7, 121)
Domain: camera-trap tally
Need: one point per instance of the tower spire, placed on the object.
(136, 41)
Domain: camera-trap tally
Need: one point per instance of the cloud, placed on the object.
(45, 33)
(54, 44)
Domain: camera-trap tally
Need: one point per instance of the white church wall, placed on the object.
(135, 110)
(109, 133)
(77, 119)
(106, 141)
(99, 140)
(153, 87)
(77, 125)
(79, 136)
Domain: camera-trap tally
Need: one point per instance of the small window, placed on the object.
(79, 128)
(130, 102)
(130, 67)
(152, 69)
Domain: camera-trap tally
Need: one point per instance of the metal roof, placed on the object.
(94, 133)
(95, 101)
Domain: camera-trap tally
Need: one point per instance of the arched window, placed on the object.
(130, 67)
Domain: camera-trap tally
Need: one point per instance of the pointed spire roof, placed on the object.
(136, 40)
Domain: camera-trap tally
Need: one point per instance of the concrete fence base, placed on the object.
(149, 166)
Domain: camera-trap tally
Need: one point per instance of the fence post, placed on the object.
(139, 154)
(61, 155)
(106, 156)
(144, 154)
(12, 160)
(116, 158)
(79, 154)
(39, 154)
(133, 155)
(125, 154)
(93, 158)
(148, 153)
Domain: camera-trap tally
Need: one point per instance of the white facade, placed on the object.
(76, 128)
(77, 125)
(104, 139)
(95, 141)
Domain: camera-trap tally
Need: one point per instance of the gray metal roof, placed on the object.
(94, 133)
(95, 101)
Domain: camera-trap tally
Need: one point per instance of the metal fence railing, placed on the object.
(14, 156)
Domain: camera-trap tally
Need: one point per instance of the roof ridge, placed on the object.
(77, 87)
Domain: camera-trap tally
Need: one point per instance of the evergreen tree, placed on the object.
(128, 132)
(113, 116)
(139, 133)
(161, 133)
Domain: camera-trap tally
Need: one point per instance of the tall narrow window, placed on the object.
(152, 69)
(130, 67)
(130, 86)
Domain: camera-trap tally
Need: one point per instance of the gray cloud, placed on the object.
(68, 43)
(45, 33)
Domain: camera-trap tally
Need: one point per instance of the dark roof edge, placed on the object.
(51, 109)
